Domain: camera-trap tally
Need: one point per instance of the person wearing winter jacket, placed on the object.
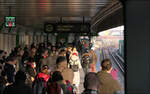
(45, 73)
(30, 71)
(59, 85)
(10, 69)
(91, 83)
(19, 86)
(40, 83)
(75, 62)
(62, 66)
(108, 85)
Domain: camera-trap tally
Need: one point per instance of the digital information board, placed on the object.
(10, 21)
(67, 28)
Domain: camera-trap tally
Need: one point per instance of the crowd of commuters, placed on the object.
(48, 69)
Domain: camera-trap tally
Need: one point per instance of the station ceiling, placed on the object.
(34, 13)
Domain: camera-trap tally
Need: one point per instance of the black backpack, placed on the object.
(86, 60)
(38, 86)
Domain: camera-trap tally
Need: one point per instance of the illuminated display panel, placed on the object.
(66, 27)
(10, 21)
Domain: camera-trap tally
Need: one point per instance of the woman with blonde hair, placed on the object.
(75, 65)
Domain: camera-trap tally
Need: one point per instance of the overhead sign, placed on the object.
(89, 34)
(10, 21)
(67, 27)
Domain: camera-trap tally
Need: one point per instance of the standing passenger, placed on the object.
(43, 59)
(33, 51)
(9, 69)
(30, 71)
(75, 66)
(107, 84)
(40, 82)
(20, 65)
(63, 68)
(19, 87)
(91, 83)
(94, 60)
(68, 52)
(59, 83)
(86, 61)
(2, 59)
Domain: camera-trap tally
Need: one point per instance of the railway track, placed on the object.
(116, 58)
(119, 61)
(103, 54)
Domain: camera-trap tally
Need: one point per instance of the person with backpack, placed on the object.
(62, 66)
(30, 71)
(64, 84)
(19, 86)
(86, 61)
(75, 65)
(89, 60)
(94, 61)
(60, 86)
(40, 83)
(56, 84)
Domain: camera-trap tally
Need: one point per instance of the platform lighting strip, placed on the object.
(78, 6)
(55, 4)
(29, 3)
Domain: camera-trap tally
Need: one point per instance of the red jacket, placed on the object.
(44, 76)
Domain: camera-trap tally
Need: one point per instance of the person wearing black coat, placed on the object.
(19, 87)
(30, 71)
(1, 57)
(9, 69)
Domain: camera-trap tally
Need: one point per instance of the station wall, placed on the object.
(9, 40)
